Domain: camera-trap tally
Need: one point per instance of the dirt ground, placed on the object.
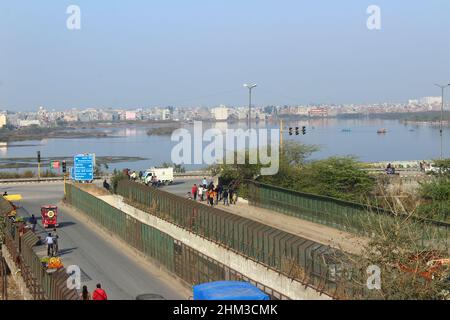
(92, 189)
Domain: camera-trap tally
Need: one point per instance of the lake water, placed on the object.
(401, 142)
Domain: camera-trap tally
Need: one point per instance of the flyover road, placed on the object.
(122, 274)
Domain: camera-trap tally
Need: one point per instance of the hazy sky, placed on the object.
(200, 52)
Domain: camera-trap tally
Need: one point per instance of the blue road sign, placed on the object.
(83, 165)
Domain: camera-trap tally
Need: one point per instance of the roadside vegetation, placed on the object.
(345, 178)
(435, 195)
(339, 177)
(116, 177)
(409, 268)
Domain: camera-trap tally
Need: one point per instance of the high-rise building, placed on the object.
(430, 100)
(220, 113)
(3, 120)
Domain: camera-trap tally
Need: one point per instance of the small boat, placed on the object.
(381, 131)
(346, 130)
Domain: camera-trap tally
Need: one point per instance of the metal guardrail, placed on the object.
(38, 180)
(187, 174)
(336, 213)
(3, 279)
(179, 259)
(306, 261)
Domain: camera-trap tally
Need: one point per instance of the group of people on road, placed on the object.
(213, 195)
(98, 294)
(133, 175)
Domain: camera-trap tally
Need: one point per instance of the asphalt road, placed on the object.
(121, 274)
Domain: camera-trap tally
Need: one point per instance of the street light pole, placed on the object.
(250, 87)
(442, 115)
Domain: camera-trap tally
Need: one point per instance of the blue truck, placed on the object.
(228, 290)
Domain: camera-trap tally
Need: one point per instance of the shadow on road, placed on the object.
(62, 252)
(66, 224)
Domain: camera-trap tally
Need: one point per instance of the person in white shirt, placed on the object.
(200, 192)
(49, 241)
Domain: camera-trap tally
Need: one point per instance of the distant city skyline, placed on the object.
(200, 53)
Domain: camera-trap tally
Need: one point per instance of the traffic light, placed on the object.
(39, 157)
(304, 130)
(290, 131)
(64, 167)
(296, 131)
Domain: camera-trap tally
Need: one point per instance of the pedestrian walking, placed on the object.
(194, 191)
(33, 222)
(212, 196)
(49, 241)
(200, 191)
(220, 191)
(99, 293)
(225, 197)
(235, 197)
(230, 195)
(85, 295)
(204, 182)
(55, 242)
(216, 196)
(106, 185)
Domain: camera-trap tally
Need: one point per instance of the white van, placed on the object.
(158, 175)
(433, 168)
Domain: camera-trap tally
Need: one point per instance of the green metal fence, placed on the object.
(304, 260)
(176, 257)
(339, 214)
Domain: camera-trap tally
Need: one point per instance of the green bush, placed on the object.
(435, 199)
(117, 176)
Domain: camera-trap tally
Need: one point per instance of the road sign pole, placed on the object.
(39, 164)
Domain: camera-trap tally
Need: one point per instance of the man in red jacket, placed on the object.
(99, 293)
(194, 191)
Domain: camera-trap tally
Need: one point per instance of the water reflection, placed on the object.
(4, 148)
